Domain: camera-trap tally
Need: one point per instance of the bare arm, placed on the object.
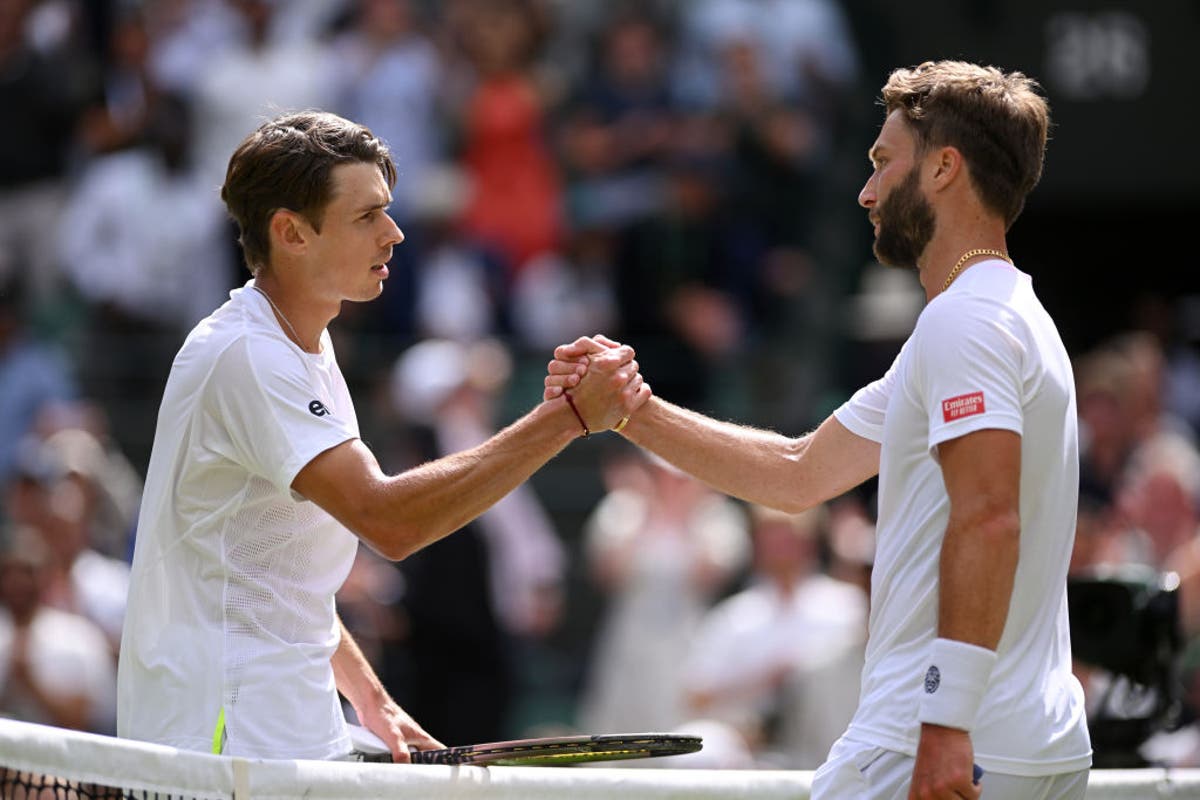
(790, 474)
(376, 709)
(764, 467)
(982, 473)
(400, 514)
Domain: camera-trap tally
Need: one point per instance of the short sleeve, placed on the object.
(970, 357)
(275, 413)
(863, 414)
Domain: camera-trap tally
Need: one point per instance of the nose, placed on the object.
(395, 235)
(867, 196)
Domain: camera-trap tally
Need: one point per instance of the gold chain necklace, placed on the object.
(971, 254)
(282, 316)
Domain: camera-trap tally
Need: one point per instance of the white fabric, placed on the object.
(987, 334)
(955, 681)
(867, 772)
(231, 597)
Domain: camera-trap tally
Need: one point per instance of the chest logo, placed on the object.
(318, 408)
(965, 405)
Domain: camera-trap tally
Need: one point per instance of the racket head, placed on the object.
(563, 750)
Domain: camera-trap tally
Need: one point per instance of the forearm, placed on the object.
(354, 676)
(764, 467)
(978, 567)
(438, 498)
(398, 515)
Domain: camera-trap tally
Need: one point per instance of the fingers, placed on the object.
(612, 358)
(604, 340)
(415, 739)
(582, 346)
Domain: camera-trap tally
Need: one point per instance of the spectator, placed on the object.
(786, 627)
(33, 374)
(55, 666)
(472, 600)
(617, 128)
(515, 204)
(45, 83)
(54, 499)
(389, 80)
(140, 237)
(685, 280)
(807, 50)
(660, 546)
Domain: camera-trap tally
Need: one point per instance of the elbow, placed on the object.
(395, 544)
(392, 539)
(1000, 533)
(794, 503)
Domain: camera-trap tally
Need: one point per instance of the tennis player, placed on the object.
(972, 432)
(259, 487)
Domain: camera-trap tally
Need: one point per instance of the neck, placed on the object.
(300, 321)
(940, 265)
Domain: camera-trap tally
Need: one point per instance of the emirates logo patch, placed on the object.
(965, 405)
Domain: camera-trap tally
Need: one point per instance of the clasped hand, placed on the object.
(602, 377)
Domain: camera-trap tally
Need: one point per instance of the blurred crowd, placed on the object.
(673, 173)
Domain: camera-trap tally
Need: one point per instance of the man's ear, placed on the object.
(290, 231)
(946, 163)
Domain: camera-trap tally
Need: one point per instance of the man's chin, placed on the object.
(889, 259)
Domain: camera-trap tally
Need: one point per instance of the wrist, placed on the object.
(578, 416)
(955, 680)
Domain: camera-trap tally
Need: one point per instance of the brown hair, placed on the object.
(288, 163)
(997, 120)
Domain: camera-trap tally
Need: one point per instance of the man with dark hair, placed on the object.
(259, 487)
(972, 433)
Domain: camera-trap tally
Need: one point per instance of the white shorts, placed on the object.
(866, 772)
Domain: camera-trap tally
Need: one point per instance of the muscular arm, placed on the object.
(790, 474)
(399, 514)
(982, 473)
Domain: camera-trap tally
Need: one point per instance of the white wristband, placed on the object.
(955, 680)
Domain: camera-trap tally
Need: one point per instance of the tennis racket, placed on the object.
(558, 750)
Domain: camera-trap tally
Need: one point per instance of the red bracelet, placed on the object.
(578, 416)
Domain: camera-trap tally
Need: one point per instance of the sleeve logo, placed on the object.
(965, 405)
(318, 408)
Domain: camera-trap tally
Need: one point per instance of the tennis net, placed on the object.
(43, 763)
(38, 762)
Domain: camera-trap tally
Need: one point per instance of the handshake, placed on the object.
(600, 380)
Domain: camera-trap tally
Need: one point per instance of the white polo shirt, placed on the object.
(231, 604)
(983, 355)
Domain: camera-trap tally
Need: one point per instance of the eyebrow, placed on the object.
(373, 206)
(873, 153)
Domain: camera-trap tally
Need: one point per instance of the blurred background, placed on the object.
(678, 174)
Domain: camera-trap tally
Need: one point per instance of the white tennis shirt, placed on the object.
(983, 355)
(231, 610)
